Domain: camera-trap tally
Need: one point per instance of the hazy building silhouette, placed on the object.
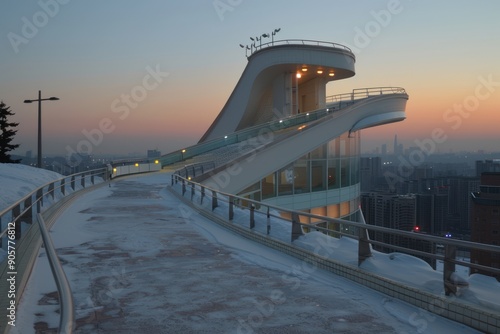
(485, 166)
(485, 218)
(154, 154)
(371, 171)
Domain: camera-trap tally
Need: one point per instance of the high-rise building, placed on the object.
(391, 211)
(460, 201)
(485, 220)
(432, 212)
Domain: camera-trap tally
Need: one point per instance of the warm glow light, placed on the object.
(331, 74)
(299, 75)
(114, 170)
(157, 162)
(136, 164)
(304, 69)
(319, 71)
(183, 151)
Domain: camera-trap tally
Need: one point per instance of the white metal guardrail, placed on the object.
(21, 238)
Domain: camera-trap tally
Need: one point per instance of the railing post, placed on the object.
(364, 250)
(231, 208)
(296, 227)
(73, 182)
(214, 200)
(39, 200)
(28, 215)
(82, 181)
(16, 211)
(450, 285)
(63, 186)
(183, 187)
(202, 194)
(51, 190)
(192, 191)
(268, 221)
(252, 216)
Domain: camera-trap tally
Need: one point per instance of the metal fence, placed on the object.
(24, 227)
(344, 228)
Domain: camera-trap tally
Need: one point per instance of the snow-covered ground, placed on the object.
(140, 261)
(16, 181)
(483, 291)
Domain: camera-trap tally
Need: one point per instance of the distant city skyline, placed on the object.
(135, 76)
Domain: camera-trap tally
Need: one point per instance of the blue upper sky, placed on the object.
(93, 54)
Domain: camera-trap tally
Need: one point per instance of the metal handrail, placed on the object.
(67, 309)
(354, 96)
(12, 206)
(259, 47)
(412, 235)
(360, 93)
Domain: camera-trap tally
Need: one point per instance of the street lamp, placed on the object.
(40, 123)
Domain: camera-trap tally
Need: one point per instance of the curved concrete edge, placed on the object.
(251, 167)
(376, 120)
(447, 307)
(262, 66)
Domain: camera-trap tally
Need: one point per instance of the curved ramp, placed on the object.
(251, 167)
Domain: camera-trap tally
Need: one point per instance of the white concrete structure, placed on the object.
(313, 167)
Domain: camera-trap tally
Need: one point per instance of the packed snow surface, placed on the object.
(138, 260)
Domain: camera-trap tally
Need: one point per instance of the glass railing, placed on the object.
(335, 103)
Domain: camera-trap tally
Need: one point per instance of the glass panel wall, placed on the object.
(327, 167)
(333, 174)
(285, 181)
(318, 175)
(269, 186)
(302, 176)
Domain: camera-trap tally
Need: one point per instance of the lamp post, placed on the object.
(39, 163)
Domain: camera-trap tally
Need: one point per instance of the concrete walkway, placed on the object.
(139, 261)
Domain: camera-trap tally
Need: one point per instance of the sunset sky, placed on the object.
(91, 54)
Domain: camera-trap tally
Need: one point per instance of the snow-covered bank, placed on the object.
(483, 291)
(138, 260)
(16, 181)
